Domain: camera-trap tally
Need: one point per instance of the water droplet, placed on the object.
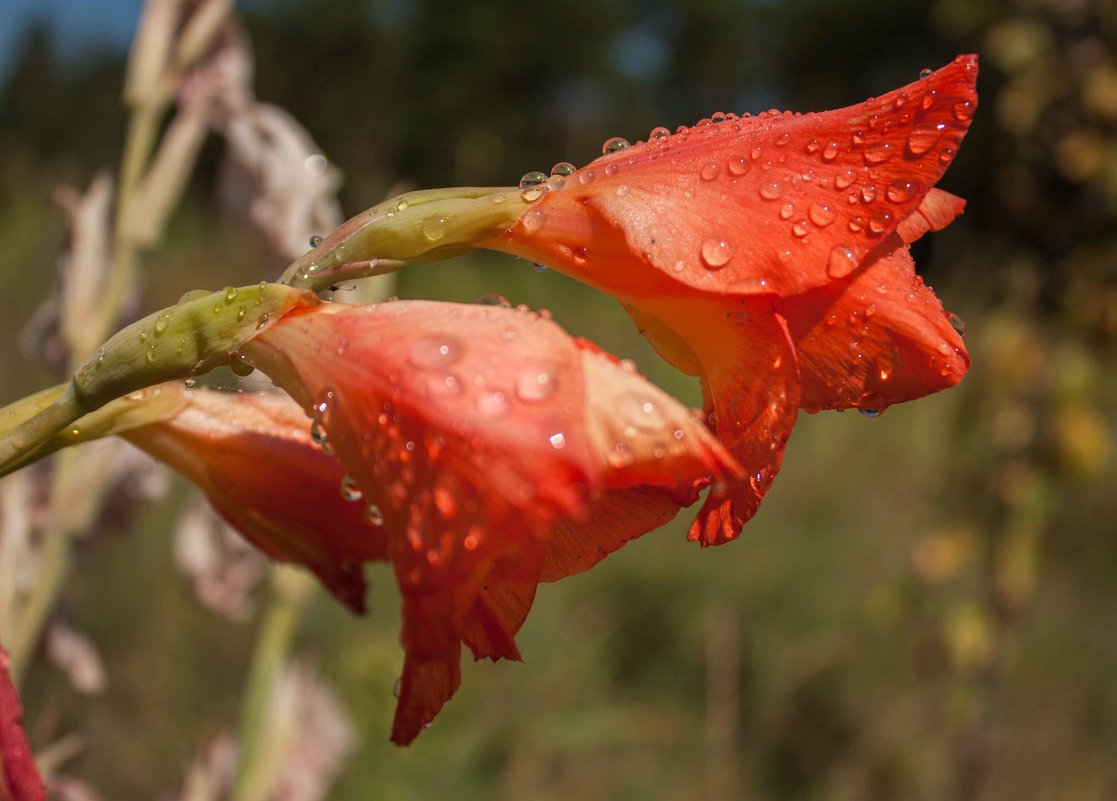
(957, 323)
(830, 152)
(558, 441)
(844, 178)
(716, 253)
(622, 189)
(946, 156)
(563, 168)
(100, 354)
(533, 178)
(190, 383)
(150, 355)
(531, 194)
(878, 153)
(924, 137)
(613, 144)
(786, 210)
(783, 139)
(217, 308)
(434, 227)
(144, 334)
(315, 241)
(869, 412)
(800, 228)
(963, 112)
(535, 384)
(374, 517)
(880, 222)
(842, 261)
(737, 166)
(658, 133)
(926, 72)
(230, 294)
(586, 177)
(771, 190)
(709, 172)
(822, 214)
(263, 321)
(240, 364)
(534, 218)
(349, 490)
(902, 190)
(813, 146)
(160, 325)
(435, 351)
(868, 193)
(241, 312)
(857, 224)
(318, 434)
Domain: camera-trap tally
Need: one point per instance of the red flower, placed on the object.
(769, 255)
(253, 457)
(495, 451)
(19, 778)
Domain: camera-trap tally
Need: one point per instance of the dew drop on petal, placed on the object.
(926, 72)
(658, 133)
(558, 441)
(801, 228)
(435, 351)
(533, 178)
(842, 261)
(374, 517)
(716, 253)
(878, 152)
(737, 166)
(868, 193)
(869, 412)
(902, 190)
(709, 172)
(315, 241)
(771, 190)
(958, 324)
(613, 144)
(535, 385)
(924, 137)
(963, 112)
(586, 177)
(880, 222)
(563, 168)
(349, 489)
(318, 434)
(786, 210)
(830, 152)
(822, 214)
(844, 178)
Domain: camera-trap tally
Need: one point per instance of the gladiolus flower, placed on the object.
(19, 779)
(253, 457)
(768, 255)
(493, 451)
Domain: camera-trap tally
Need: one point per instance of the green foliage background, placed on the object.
(925, 606)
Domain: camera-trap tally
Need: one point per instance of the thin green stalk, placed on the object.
(257, 762)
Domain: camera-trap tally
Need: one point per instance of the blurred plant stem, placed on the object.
(77, 494)
(260, 757)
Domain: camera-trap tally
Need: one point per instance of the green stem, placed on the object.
(257, 763)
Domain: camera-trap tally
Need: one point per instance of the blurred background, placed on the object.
(926, 605)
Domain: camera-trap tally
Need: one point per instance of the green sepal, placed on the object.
(195, 335)
(416, 227)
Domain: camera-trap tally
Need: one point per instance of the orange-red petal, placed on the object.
(781, 203)
(253, 456)
(877, 338)
(475, 431)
